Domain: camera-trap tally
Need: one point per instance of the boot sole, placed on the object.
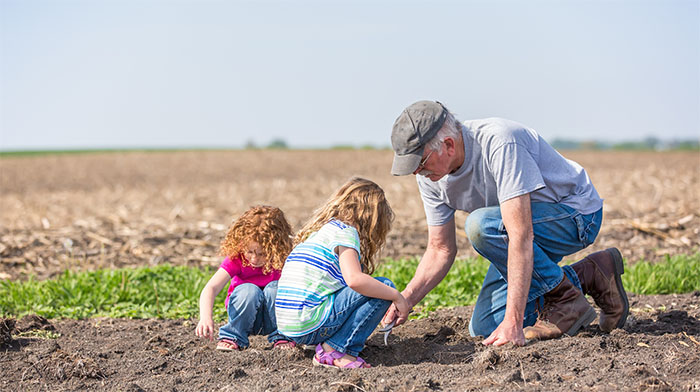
(619, 270)
(583, 322)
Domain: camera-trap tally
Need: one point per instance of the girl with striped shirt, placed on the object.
(325, 294)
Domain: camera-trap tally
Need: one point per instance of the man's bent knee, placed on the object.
(475, 227)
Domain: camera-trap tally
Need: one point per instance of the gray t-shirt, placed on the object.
(503, 160)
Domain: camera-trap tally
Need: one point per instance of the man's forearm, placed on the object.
(520, 262)
(433, 267)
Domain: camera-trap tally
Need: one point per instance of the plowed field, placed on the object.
(110, 210)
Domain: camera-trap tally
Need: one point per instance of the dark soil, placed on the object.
(93, 211)
(657, 350)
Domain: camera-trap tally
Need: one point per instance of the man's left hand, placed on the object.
(507, 332)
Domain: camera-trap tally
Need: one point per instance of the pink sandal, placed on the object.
(227, 345)
(326, 359)
(291, 344)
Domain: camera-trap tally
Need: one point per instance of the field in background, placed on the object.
(88, 211)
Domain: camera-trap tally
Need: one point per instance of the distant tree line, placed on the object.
(281, 144)
(649, 143)
(276, 144)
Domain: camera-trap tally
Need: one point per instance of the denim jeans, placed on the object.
(559, 231)
(251, 311)
(353, 318)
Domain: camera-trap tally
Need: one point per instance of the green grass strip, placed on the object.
(147, 292)
(676, 275)
(173, 292)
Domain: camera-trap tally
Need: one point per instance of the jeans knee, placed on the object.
(247, 292)
(478, 328)
(270, 289)
(386, 281)
(474, 228)
(482, 226)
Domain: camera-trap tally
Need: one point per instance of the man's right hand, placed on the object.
(398, 312)
(434, 265)
(391, 315)
(403, 308)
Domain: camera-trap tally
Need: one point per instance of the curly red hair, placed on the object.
(265, 225)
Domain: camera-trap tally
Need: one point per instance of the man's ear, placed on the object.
(450, 145)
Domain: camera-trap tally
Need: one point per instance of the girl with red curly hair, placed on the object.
(254, 248)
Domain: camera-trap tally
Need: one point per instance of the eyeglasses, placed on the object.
(422, 163)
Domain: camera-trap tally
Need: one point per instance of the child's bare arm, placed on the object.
(365, 284)
(205, 327)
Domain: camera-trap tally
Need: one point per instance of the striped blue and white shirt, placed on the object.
(310, 278)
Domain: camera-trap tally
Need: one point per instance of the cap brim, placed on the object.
(406, 164)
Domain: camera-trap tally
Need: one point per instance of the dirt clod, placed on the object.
(34, 322)
(7, 325)
(488, 358)
(62, 366)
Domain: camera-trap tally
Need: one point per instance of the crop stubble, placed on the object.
(127, 209)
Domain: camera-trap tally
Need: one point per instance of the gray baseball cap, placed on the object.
(412, 130)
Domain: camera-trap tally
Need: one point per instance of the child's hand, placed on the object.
(205, 329)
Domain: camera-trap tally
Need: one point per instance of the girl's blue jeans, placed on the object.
(559, 231)
(251, 311)
(353, 318)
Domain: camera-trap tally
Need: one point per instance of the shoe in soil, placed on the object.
(283, 344)
(600, 275)
(327, 359)
(227, 345)
(565, 311)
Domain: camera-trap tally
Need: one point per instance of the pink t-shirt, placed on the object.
(240, 274)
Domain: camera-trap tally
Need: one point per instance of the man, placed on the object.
(528, 208)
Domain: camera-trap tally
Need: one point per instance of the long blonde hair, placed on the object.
(265, 225)
(359, 203)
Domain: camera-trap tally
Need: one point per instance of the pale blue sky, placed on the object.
(156, 73)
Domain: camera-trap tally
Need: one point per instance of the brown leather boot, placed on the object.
(565, 311)
(600, 278)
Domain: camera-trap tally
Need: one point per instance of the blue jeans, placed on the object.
(353, 318)
(251, 311)
(559, 231)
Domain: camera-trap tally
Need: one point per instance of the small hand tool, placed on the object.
(387, 330)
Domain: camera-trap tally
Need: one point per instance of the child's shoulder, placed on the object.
(335, 229)
(232, 261)
(338, 224)
(331, 230)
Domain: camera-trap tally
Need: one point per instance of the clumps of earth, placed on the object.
(47, 359)
(6, 328)
(657, 350)
(26, 325)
